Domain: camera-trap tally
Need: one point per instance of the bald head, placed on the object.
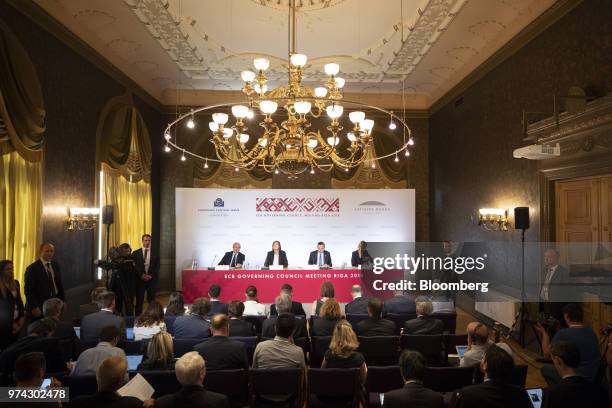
(478, 332)
(111, 374)
(356, 291)
(219, 325)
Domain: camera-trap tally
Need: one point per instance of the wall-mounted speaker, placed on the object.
(108, 215)
(521, 218)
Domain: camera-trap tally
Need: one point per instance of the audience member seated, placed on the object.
(40, 339)
(190, 372)
(330, 316)
(413, 393)
(110, 376)
(296, 307)
(251, 305)
(375, 325)
(94, 305)
(283, 303)
(400, 303)
(478, 342)
(30, 373)
(237, 326)
(583, 337)
(53, 309)
(93, 323)
(497, 366)
(150, 322)
(193, 325)
(359, 304)
(176, 305)
(12, 311)
(424, 322)
(327, 292)
(280, 352)
(215, 304)
(219, 351)
(160, 353)
(573, 390)
(89, 360)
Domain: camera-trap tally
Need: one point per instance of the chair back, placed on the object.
(399, 319)
(169, 320)
(68, 349)
(163, 381)
(256, 321)
(384, 379)
(132, 347)
(449, 319)
(233, 383)
(249, 343)
(518, 376)
(428, 345)
(184, 346)
(355, 319)
(379, 350)
(334, 382)
(318, 347)
(276, 381)
(448, 379)
(304, 343)
(80, 385)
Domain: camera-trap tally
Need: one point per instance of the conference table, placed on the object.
(306, 283)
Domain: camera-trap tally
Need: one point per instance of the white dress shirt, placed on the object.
(275, 261)
(147, 259)
(546, 286)
(253, 308)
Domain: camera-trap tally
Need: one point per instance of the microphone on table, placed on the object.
(212, 264)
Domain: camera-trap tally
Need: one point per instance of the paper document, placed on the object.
(137, 387)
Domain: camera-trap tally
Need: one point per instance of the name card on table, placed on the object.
(276, 267)
(222, 268)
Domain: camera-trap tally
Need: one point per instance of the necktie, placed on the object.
(145, 260)
(50, 278)
(233, 262)
(320, 259)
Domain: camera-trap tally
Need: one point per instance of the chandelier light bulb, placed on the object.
(263, 142)
(183, 158)
(220, 118)
(351, 136)
(320, 92)
(312, 143)
(244, 138)
(206, 164)
(367, 125)
(334, 111)
(407, 153)
(250, 114)
(340, 82)
(276, 171)
(331, 69)
(236, 169)
(247, 76)
(167, 136)
(298, 60)
(356, 117)
(261, 89)
(268, 107)
(333, 141)
(396, 158)
(261, 64)
(228, 132)
(311, 170)
(392, 125)
(240, 111)
(373, 165)
(411, 142)
(190, 123)
(302, 107)
(213, 126)
(167, 149)
(346, 169)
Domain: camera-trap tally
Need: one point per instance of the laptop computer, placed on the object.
(133, 362)
(461, 350)
(129, 333)
(77, 330)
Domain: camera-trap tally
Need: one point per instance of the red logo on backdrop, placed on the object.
(297, 205)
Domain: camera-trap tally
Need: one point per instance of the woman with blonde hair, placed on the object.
(160, 353)
(330, 316)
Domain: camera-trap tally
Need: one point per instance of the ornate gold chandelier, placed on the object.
(288, 142)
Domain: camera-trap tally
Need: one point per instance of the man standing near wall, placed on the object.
(147, 273)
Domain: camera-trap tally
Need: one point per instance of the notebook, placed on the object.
(535, 396)
(133, 362)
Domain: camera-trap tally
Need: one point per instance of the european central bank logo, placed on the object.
(219, 203)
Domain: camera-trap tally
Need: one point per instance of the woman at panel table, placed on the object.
(276, 256)
(361, 255)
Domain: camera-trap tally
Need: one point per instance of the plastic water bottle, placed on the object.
(194, 264)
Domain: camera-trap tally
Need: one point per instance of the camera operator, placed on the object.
(123, 279)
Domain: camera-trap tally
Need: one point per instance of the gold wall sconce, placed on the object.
(493, 219)
(82, 218)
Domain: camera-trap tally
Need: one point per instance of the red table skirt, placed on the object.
(306, 283)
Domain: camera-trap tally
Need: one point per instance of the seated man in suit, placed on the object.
(110, 376)
(412, 366)
(30, 372)
(215, 304)
(424, 322)
(193, 325)
(89, 360)
(219, 352)
(573, 390)
(190, 372)
(497, 366)
(94, 305)
(400, 304)
(296, 307)
(283, 305)
(40, 338)
(237, 326)
(64, 329)
(320, 257)
(92, 324)
(375, 325)
(359, 304)
(233, 258)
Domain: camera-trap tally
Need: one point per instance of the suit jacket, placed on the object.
(92, 324)
(356, 260)
(490, 394)
(104, 399)
(193, 396)
(400, 305)
(48, 345)
(7, 314)
(323, 327)
(558, 289)
(88, 308)
(191, 327)
(296, 309)
(376, 327)
(268, 329)
(313, 259)
(221, 353)
(140, 266)
(282, 259)
(37, 287)
(424, 325)
(413, 395)
(241, 328)
(574, 392)
(357, 306)
(217, 307)
(227, 258)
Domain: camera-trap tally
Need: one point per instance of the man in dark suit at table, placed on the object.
(359, 304)
(234, 258)
(219, 351)
(43, 280)
(93, 323)
(375, 325)
(296, 307)
(400, 304)
(147, 273)
(320, 257)
(424, 322)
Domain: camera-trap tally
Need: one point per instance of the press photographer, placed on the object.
(120, 265)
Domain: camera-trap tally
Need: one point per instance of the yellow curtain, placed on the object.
(20, 210)
(132, 206)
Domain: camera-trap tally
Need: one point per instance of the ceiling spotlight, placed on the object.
(411, 142)
(167, 149)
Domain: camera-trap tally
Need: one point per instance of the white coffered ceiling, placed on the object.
(202, 45)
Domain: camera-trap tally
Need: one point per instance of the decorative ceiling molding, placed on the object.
(302, 5)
